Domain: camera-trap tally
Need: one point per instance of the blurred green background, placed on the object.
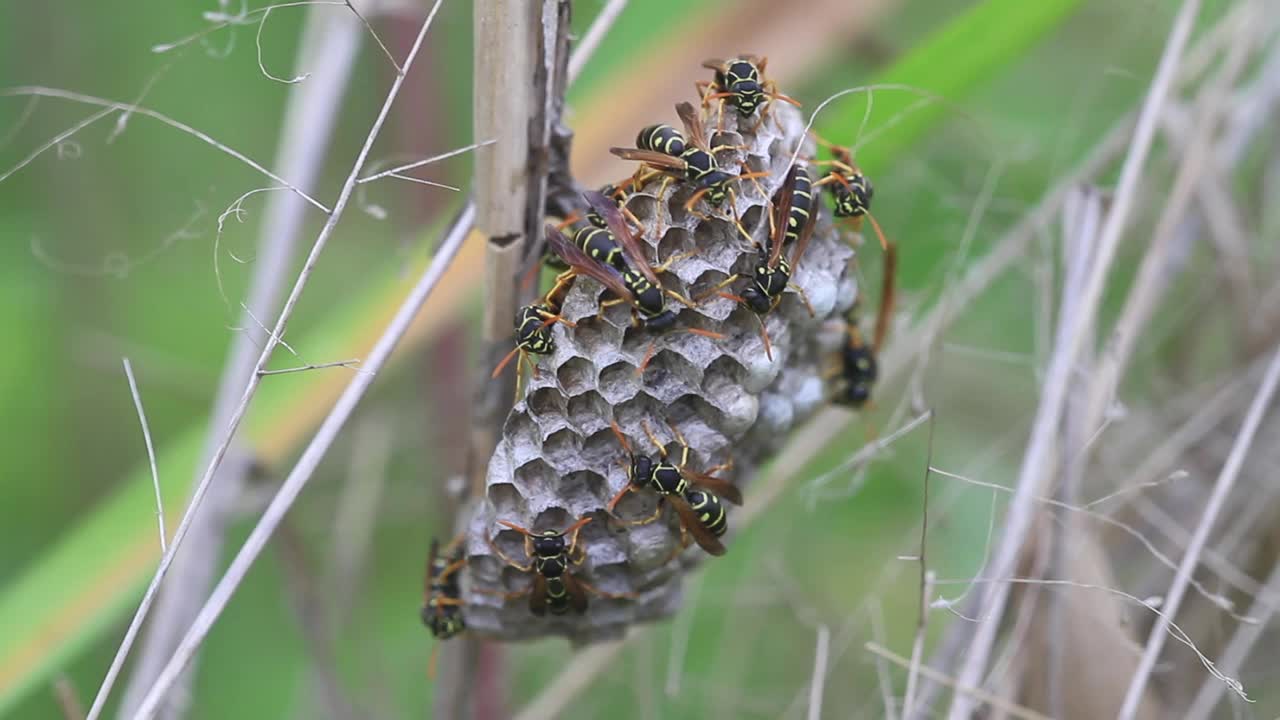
(108, 241)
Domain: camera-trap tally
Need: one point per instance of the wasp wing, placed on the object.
(662, 161)
(782, 216)
(621, 233)
(689, 519)
(692, 126)
(715, 64)
(538, 596)
(719, 486)
(577, 593)
(584, 264)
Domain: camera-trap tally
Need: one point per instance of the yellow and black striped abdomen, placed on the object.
(709, 509)
(557, 596)
(661, 138)
(801, 204)
(600, 244)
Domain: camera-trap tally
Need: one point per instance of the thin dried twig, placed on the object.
(40, 91)
(151, 450)
(1222, 487)
(1057, 379)
(926, 581)
(1238, 649)
(150, 703)
(349, 364)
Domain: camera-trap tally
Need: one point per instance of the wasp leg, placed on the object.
(508, 560)
(804, 297)
(607, 595)
(720, 286)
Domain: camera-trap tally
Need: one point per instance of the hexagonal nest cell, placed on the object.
(558, 460)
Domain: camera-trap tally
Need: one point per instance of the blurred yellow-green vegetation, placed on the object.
(108, 243)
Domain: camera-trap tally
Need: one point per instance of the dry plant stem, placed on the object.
(1242, 642)
(515, 61)
(274, 337)
(151, 451)
(926, 583)
(1080, 221)
(310, 460)
(1040, 446)
(979, 694)
(330, 43)
(1226, 480)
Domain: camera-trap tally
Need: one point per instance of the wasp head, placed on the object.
(641, 472)
(549, 544)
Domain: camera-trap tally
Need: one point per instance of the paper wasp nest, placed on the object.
(558, 460)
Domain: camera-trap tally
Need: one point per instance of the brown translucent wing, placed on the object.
(538, 596)
(706, 539)
(692, 126)
(654, 158)
(802, 242)
(782, 214)
(725, 489)
(584, 264)
(622, 233)
(715, 64)
(577, 593)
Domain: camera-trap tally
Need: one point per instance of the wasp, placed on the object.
(533, 330)
(700, 512)
(442, 595)
(851, 192)
(857, 370)
(637, 284)
(739, 81)
(790, 221)
(550, 556)
(685, 157)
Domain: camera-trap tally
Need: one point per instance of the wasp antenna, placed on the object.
(516, 527)
(764, 335)
(498, 370)
(884, 244)
(622, 439)
(613, 502)
(706, 333)
(648, 355)
(887, 297)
